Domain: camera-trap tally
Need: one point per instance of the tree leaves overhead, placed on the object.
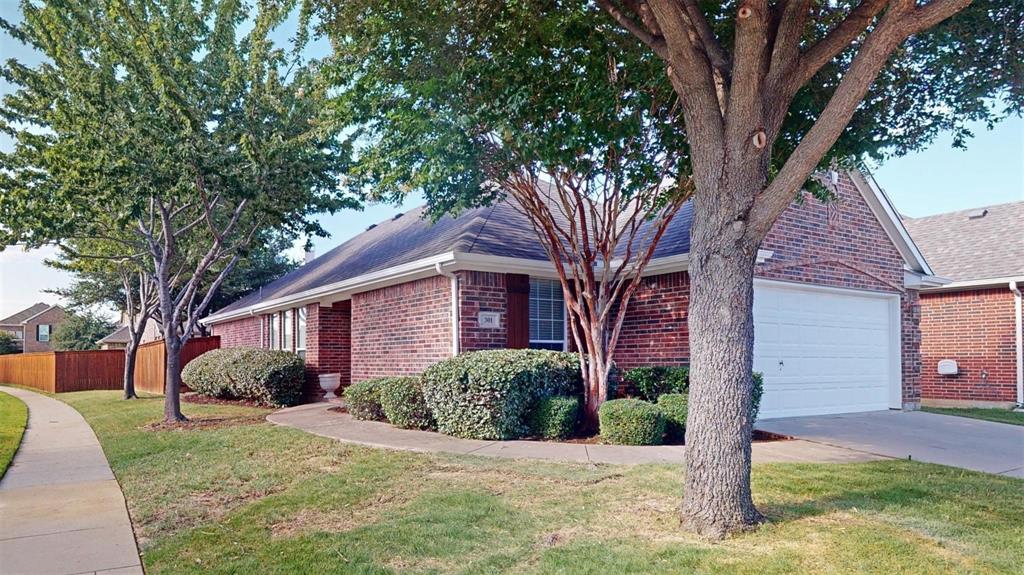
(426, 85)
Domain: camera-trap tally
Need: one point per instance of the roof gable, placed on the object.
(25, 314)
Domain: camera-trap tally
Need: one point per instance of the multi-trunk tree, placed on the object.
(161, 126)
(764, 94)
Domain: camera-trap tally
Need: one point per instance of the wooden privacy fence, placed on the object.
(63, 371)
(151, 360)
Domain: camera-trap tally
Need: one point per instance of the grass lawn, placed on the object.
(988, 414)
(13, 418)
(243, 496)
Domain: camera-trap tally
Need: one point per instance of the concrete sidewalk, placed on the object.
(61, 510)
(315, 418)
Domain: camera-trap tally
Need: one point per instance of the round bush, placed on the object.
(673, 407)
(651, 383)
(363, 400)
(488, 394)
(755, 395)
(631, 422)
(263, 376)
(555, 417)
(401, 399)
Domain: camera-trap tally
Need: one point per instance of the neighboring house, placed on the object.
(974, 321)
(33, 327)
(118, 339)
(835, 310)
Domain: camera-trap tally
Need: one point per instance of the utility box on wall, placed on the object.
(948, 367)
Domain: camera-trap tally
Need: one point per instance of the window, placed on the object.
(547, 315)
(43, 332)
(288, 330)
(300, 332)
(274, 331)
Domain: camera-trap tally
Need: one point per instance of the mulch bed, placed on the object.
(207, 400)
(203, 423)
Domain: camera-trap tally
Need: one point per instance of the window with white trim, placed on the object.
(274, 331)
(288, 329)
(547, 315)
(300, 332)
(43, 332)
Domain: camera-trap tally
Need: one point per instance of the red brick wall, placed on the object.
(328, 344)
(401, 329)
(481, 292)
(244, 332)
(655, 330)
(53, 317)
(975, 328)
(910, 348)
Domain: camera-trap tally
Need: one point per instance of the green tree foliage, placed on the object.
(163, 127)
(81, 330)
(8, 344)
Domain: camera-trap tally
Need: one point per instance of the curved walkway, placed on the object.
(315, 418)
(61, 510)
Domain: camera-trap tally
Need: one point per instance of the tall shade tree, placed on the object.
(767, 93)
(80, 330)
(157, 124)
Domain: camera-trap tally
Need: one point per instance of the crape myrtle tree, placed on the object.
(185, 133)
(599, 168)
(767, 93)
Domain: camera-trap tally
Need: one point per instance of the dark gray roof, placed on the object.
(26, 313)
(499, 230)
(961, 247)
(119, 335)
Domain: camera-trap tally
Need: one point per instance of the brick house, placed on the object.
(33, 326)
(975, 320)
(836, 301)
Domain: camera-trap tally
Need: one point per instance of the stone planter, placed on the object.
(329, 382)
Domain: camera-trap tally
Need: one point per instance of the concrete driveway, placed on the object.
(946, 439)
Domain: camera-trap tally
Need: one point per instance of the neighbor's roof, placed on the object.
(498, 230)
(25, 314)
(977, 244)
(119, 335)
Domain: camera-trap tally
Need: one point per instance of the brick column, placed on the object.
(328, 345)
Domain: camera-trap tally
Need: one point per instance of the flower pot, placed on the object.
(329, 382)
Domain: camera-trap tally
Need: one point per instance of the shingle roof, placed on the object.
(499, 230)
(961, 247)
(24, 314)
(119, 335)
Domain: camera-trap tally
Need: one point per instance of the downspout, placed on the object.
(1020, 342)
(455, 306)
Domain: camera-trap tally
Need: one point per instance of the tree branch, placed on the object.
(654, 42)
(837, 40)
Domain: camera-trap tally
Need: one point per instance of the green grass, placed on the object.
(13, 418)
(249, 497)
(988, 414)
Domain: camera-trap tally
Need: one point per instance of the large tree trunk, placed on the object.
(716, 497)
(596, 384)
(129, 369)
(172, 381)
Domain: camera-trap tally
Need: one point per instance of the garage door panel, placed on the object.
(822, 351)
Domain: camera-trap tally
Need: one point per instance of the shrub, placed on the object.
(401, 399)
(259, 375)
(673, 407)
(651, 383)
(555, 417)
(631, 422)
(488, 394)
(755, 394)
(363, 400)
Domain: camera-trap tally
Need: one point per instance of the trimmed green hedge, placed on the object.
(555, 417)
(631, 422)
(652, 382)
(401, 399)
(363, 400)
(260, 375)
(674, 407)
(488, 394)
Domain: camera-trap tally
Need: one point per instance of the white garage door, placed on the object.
(825, 351)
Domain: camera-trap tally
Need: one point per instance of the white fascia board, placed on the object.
(919, 281)
(890, 220)
(503, 264)
(974, 284)
(339, 291)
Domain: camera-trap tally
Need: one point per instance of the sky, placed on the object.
(936, 180)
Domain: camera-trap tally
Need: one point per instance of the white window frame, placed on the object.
(274, 331)
(39, 332)
(565, 314)
(300, 330)
(288, 330)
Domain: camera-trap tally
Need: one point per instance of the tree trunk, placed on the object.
(129, 370)
(172, 382)
(596, 384)
(716, 497)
